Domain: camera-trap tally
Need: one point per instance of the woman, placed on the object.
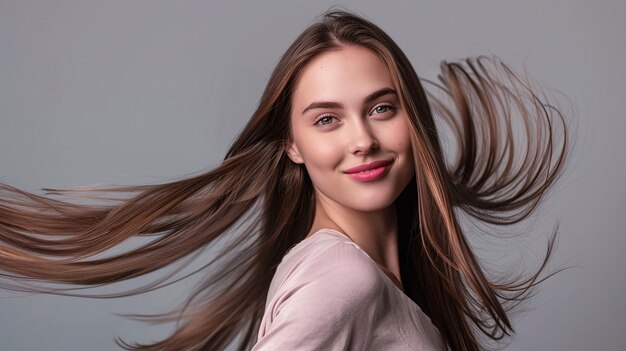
(333, 256)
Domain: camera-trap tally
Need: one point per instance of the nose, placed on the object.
(362, 141)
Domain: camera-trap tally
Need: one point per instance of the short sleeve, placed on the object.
(327, 303)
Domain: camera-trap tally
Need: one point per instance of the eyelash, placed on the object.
(318, 119)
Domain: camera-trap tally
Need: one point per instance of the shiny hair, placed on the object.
(263, 204)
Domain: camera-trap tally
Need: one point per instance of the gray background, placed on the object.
(121, 92)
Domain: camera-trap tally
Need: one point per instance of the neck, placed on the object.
(375, 232)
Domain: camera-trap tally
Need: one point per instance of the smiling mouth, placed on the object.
(370, 174)
(369, 166)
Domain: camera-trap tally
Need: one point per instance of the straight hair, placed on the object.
(264, 204)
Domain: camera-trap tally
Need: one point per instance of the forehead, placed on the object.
(344, 75)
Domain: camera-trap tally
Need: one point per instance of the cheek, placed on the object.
(319, 153)
(396, 136)
(403, 142)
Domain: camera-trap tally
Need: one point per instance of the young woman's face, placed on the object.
(345, 113)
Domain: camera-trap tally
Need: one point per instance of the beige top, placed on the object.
(329, 294)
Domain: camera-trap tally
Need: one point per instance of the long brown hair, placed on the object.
(264, 204)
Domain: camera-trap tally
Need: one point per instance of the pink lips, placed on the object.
(369, 172)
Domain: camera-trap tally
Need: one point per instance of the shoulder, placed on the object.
(331, 270)
(327, 292)
(339, 259)
(330, 258)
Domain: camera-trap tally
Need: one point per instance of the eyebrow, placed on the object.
(332, 104)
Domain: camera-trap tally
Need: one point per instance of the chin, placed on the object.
(373, 197)
(364, 204)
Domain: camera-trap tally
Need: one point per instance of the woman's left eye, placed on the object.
(383, 107)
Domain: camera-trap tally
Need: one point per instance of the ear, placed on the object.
(293, 152)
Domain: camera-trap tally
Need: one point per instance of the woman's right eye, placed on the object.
(324, 119)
